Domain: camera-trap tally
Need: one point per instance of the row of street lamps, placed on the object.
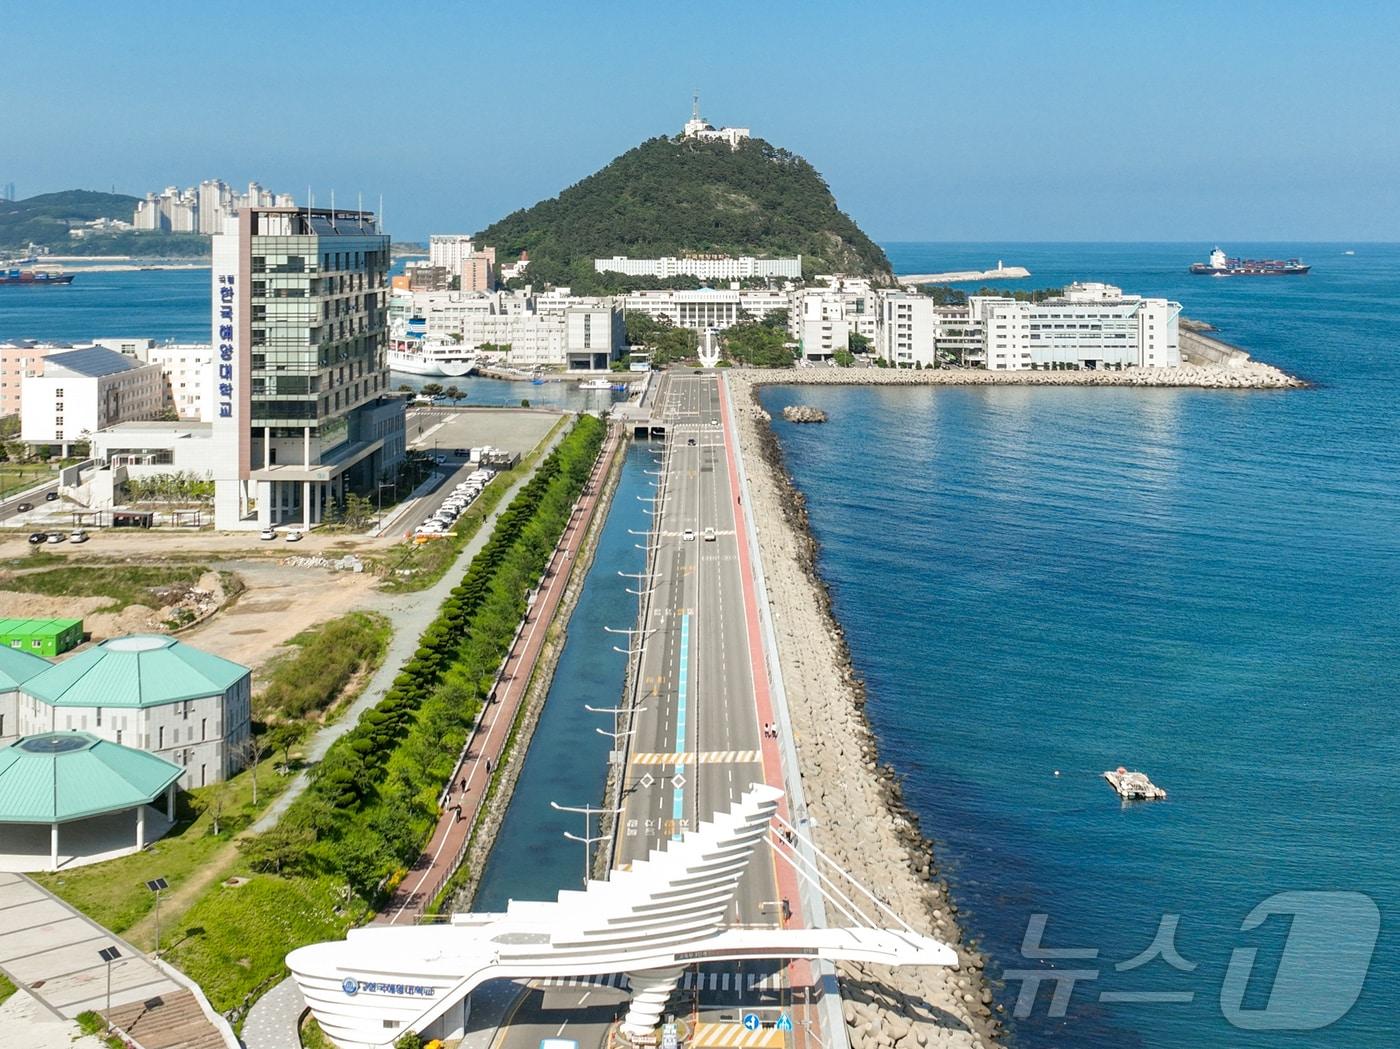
(636, 645)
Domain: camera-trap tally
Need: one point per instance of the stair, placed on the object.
(168, 1021)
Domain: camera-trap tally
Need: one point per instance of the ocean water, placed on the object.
(1041, 584)
(174, 305)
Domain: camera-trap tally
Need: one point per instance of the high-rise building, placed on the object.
(300, 329)
(448, 250)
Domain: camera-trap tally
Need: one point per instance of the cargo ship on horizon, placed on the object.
(1221, 266)
(19, 274)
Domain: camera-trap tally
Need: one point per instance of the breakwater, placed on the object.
(1247, 375)
(856, 805)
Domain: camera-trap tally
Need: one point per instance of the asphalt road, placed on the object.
(695, 748)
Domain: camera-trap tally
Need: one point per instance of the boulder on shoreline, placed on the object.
(803, 413)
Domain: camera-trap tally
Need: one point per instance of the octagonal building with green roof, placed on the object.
(147, 691)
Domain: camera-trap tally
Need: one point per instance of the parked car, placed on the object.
(690, 440)
(38, 537)
(267, 533)
(688, 535)
(709, 535)
(464, 453)
(78, 536)
(24, 506)
(56, 537)
(294, 537)
(50, 496)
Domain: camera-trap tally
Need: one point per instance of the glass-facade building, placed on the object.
(300, 301)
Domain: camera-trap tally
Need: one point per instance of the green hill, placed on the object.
(45, 219)
(671, 197)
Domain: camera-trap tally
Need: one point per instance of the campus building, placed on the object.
(703, 267)
(707, 309)
(146, 691)
(303, 411)
(1090, 326)
(70, 798)
(81, 391)
(41, 637)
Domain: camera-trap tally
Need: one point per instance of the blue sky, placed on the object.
(1032, 121)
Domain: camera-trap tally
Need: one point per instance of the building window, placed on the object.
(160, 738)
(99, 717)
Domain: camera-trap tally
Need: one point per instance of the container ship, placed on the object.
(18, 275)
(1220, 266)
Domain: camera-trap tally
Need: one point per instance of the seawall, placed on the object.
(1245, 375)
(856, 806)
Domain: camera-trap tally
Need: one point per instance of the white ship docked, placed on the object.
(595, 384)
(430, 355)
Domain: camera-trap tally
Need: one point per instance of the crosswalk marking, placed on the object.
(705, 757)
(734, 1036)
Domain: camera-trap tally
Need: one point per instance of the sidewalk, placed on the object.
(51, 951)
(467, 787)
(410, 614)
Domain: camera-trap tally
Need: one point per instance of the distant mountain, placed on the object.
(46, 219)
(677, 196)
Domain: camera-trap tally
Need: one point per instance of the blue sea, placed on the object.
(1203, 585)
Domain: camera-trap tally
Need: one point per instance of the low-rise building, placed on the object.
(708, 309)
(151, 692)
(18, 359)
(41, 637)
(1090, 326)
(824, 318)
(703, 267)
(82, 391)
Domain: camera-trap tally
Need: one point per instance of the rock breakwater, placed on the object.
(1249, 376)
(855, 804)
(803, 413)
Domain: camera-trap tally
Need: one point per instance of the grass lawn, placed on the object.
(123, 584)
(6, 988)
(115, 894)
(234, 939)
(426, 562)
(15, 477)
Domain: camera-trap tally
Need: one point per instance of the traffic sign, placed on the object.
(752, 1022)
(784, 1022)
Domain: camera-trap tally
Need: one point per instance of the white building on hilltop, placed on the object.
(699, 128)
(1090, 326)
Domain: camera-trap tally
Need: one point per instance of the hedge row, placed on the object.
(373, 799)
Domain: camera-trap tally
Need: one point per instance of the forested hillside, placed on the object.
(672, 197)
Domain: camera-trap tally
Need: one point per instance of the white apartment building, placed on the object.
(822, 319)
(703, 267)
(707, 309)
(189, 373)
(81, 391)
(906, 332)
(1091, 326)
(209, 208)
(448, 250)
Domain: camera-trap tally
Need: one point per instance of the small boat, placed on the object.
(1348, 252)
(595, 384)
(1134, 786)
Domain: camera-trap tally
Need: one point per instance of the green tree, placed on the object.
(212, 799)
(359, 511)
(454, 395)
(431, 389)
(844, 358)
(858, 343)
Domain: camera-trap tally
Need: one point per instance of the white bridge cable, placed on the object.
(879, 903)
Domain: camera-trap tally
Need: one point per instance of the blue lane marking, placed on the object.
(678, 802)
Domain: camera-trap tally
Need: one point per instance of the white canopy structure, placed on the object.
(665, 913)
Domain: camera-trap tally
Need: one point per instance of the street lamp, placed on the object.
(588, 812)
(379, 492)
(156, 885)
(109, 955)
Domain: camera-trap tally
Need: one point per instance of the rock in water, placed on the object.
(803, 413)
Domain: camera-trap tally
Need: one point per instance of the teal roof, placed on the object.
(18, 666)
(141, 670)
(61, 776)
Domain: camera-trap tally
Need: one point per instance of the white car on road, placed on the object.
(688, 535)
